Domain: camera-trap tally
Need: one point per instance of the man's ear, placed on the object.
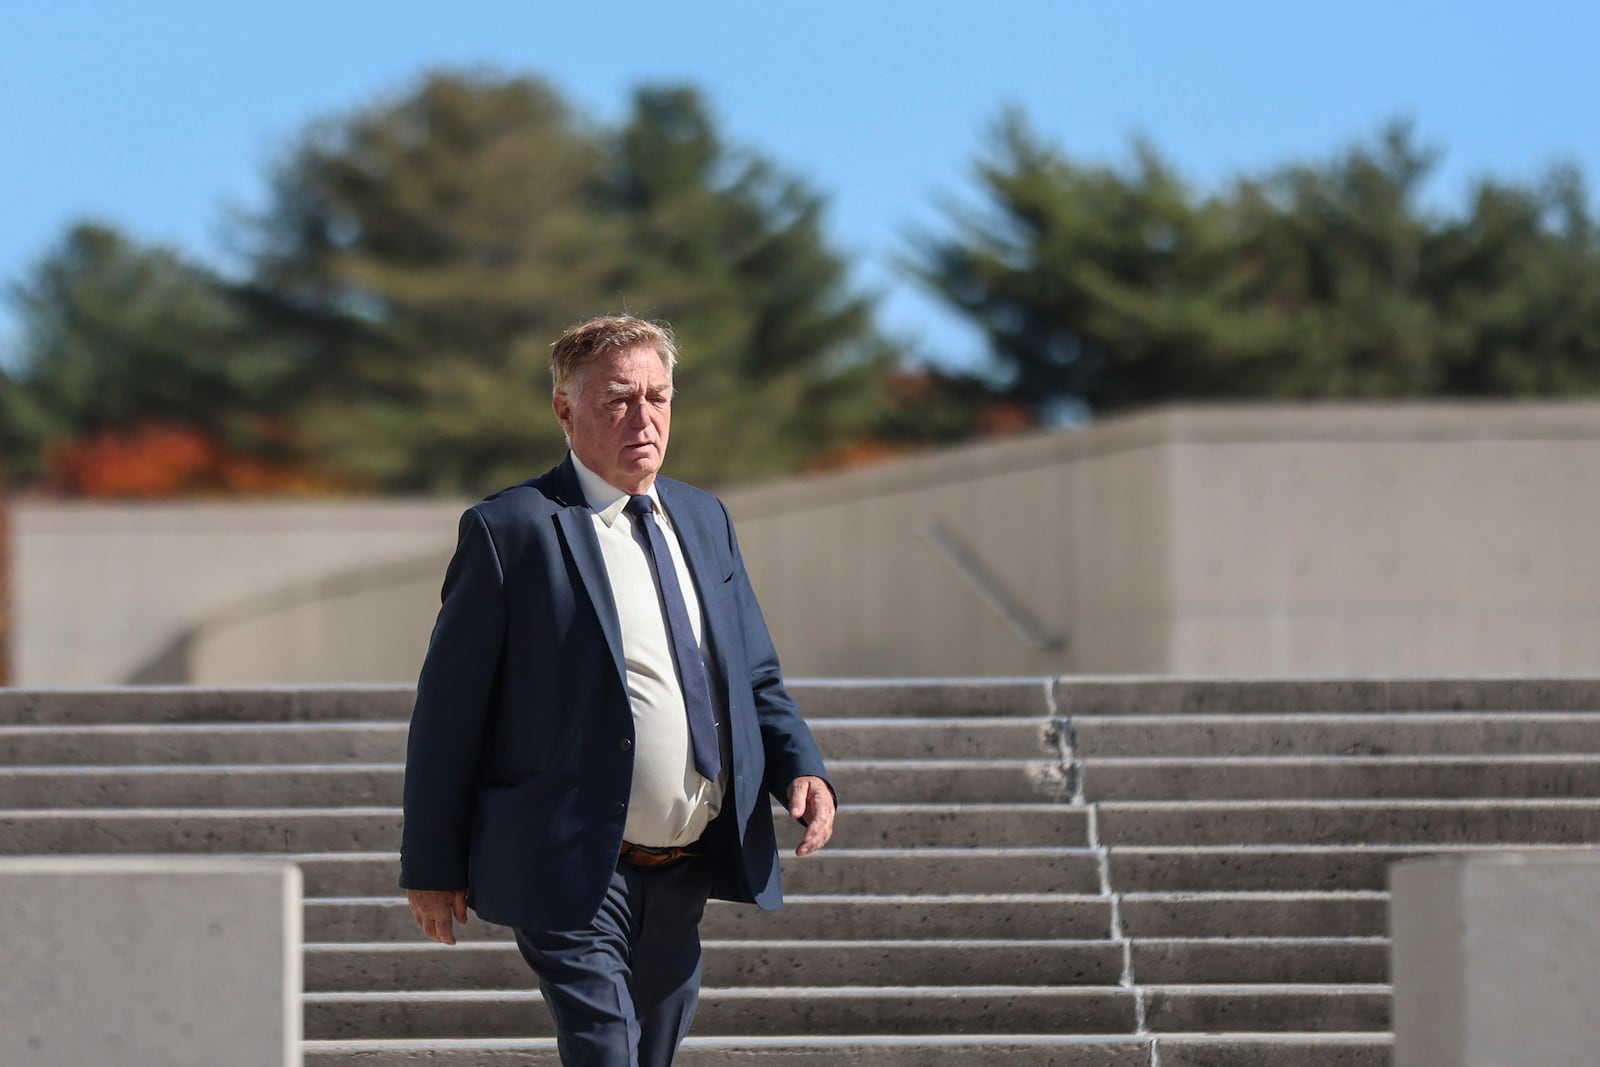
(563, 408)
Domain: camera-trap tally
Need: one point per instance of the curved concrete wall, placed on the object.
(1293, 540)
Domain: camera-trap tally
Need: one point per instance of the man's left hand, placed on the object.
(811, 801)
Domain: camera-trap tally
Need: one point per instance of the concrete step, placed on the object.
(954, 699)
(203, 743)
(1253, 915)
(942, 739)
(951, 826)
(1324, 777)
(831, 871)
(1367, 696)
(1051, 1050)
(1043, 917)
(371, 785)
(266, 831)
(1299, 1008)
(1364, 734)
(969, 781)
(811, 1050)
(1314, 822)
(1226, 960)
(279, 830)
(1028, 698)
(242, 786)
(385, 742)
(489, 965)
(1275, 1050)
(866, 1011)
(1223, 868)
(186, 704)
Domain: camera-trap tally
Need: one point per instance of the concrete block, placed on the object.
(159, 961)
(1497, 959)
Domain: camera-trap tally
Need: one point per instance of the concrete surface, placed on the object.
(1496, 960)
(1296, 540)
(160, 961)
(1002, 888)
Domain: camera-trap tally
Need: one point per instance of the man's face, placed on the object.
(619, 420)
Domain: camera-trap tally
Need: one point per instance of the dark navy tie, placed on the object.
(685, 652)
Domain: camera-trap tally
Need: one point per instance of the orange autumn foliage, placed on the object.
(5, 594)
(154, 460)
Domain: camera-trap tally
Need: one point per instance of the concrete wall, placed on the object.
(1074, 529)
(1292, 540)
(1431, 540)
(108, 594)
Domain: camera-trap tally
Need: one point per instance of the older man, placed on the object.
(600, 717)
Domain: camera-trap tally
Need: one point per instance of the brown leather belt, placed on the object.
(645, 856)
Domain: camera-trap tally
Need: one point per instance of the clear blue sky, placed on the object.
(161, 116)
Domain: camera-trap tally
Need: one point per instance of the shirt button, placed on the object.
(626, 744)
(619, 807)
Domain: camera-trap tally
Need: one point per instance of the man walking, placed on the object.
(600, 717)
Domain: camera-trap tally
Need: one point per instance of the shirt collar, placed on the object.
(606, 499)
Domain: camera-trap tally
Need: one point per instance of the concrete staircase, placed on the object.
(1089, 872)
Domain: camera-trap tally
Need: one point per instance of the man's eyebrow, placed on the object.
(616, 388)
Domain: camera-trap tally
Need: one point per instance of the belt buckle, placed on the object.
(648, 856)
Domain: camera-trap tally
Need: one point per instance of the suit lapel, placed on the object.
(576, 521)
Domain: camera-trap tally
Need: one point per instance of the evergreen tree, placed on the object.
(1109, 289)
(425, 252)
(116, 334)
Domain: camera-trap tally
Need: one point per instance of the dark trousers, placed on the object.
(623, 990)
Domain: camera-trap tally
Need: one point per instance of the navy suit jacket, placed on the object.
(520, 755)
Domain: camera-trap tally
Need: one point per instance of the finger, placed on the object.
(799, 794)
(818, 830)
(461, 908)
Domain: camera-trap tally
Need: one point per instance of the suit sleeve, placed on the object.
(447, 724)
(791, 752)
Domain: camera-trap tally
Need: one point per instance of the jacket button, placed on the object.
(619, 807)
(626, 744)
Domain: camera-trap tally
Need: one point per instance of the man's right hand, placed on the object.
(434, 908)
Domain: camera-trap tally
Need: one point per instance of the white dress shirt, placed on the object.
(670, 804)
